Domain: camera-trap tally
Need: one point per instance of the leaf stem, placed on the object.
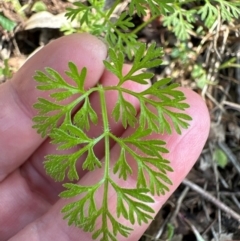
(79, 99)
(122, 144)
(144, 24)
(107, 154)
(135, 94)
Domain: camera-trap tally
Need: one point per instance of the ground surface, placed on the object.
(188, 212)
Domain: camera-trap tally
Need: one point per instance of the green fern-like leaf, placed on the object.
(156, 7)
(180, 22)
(50, 112)
(144, 58)
(122, 166)
(229, 9)
(86, 114)
(133, 210)
(208, 13)
(67, 115)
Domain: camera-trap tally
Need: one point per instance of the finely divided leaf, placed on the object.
(122, 166)
(57, 165)
(164, 120)
(126, 111)
(132, 204)
(116, 113)
(229, 10)
(144, 58)
(156, 7)
(140, 133)
(72, 13)
(49, 111)
(50, 80)
(148, 147)
(147, 118)
(140, 7)
(179, 120)
(68, 136)
(76, 212)
(74, 74)
(151, 179)
(116, 63)
(58, 96)
(162, 109)
(44, 106)
(91, 161)
(74, 190)
(119, 227)
(208, 13)
(106, 233)
(164, 90)
(124, 22)
(45, 124)
(180, 22)
(161, 164)
(86, 114)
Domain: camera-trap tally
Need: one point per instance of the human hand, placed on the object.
(29, 202)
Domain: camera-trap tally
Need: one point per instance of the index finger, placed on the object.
(17, 138)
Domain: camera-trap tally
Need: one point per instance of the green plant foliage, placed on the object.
(67, 116)
(220, 158)
(96, 19)
(181, 21)
(39, 6)
(170, 231)
(6, 23)
(200, 76)
(5, 70)
(156, 7)
(68, 126)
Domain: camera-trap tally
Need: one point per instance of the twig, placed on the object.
(210, 226)
(193, 228)
(179, 203)
(231, 104)
(172, 216)
(212, 199)
(215, 102)
(161, 229)
(218, 197)
(238, 70)
(232, 195)
(214, 165)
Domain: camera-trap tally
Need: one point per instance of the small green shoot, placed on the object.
(5, 70)
(39, 6)
(220, 158)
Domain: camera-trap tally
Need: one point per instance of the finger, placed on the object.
(39, 191)
(17, 138)
(184, 151)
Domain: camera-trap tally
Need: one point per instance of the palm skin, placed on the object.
(29, 202)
